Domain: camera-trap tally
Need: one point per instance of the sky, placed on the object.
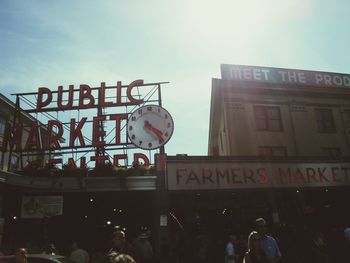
(52, 43)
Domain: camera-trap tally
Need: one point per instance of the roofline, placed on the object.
(13, 105)
(213, 108)
(278, 68)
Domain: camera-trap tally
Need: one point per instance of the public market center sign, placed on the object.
(54, 135)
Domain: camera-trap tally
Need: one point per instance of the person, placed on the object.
(268, 243)
(201, 249)
(119, 243)
(347, 234)
(319, 248)
(255, 253)
(21, 255)
(346, 247)
(78, 254)
(230, 251)
(142, 249)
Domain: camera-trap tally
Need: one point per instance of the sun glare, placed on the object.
(233, 22)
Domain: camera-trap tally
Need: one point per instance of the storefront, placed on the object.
(37, 216)
(212, 197)
(86, 169)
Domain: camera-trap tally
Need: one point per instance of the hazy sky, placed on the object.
(51, 43)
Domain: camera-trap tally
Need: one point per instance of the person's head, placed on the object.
(21, 255)
(254, 241)
(233, 239)
(118, 238)
(260, 224)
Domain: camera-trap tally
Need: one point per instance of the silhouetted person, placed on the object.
(319, 248)
(20, 255)
(231, 254)
(78, 254)
(255, 253)
(142, 249)
(119, 243)
(268, 243)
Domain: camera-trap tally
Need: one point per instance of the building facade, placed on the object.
(11, 161)
(252, 117)
(43, 202)
(278, 148)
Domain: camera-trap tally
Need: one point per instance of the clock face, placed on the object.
(149, 127)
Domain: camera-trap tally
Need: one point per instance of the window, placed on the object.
(347, 119)
(2, 129)
(268, 151)
(332, 152)
(268, 118)
(2, 126)
(324, 120)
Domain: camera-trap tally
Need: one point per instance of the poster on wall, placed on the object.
(41, 206)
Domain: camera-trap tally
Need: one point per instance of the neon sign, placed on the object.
(77, 133)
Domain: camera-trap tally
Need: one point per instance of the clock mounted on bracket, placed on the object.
(150, 127)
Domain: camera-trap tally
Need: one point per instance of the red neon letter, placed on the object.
(117, 157)
(119, 93)
(133, 84)
(101, 96)
(34, 139)
(76, 132)
(40, 104)
(85, 93)
(54, 137)
(118, 118)
(138, 156)
(69, 104)
(12, 138)
(71, 163)
(83, 162)
(97, 131)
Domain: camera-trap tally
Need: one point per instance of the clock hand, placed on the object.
(156, 131)
(159, 134)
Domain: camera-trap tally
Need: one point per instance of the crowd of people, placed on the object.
(262, 248)
(121, 251)
(258, 247)
(258, 243)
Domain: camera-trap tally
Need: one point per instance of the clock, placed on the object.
(150, 127)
